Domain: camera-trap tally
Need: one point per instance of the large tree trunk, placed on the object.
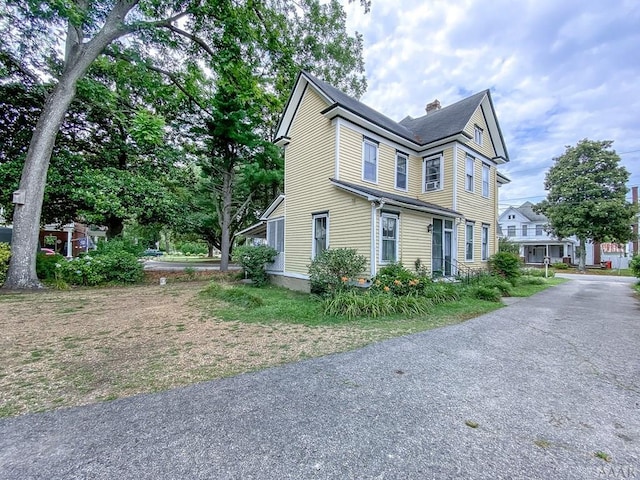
(582, 251)
(26, 217)
(225, 220)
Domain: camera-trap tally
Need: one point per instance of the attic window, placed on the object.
(477, 134)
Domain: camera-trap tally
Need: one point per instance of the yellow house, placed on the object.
(423, 188)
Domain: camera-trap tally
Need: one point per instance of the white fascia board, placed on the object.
(435, 147)
(494, 130)
(272, 207)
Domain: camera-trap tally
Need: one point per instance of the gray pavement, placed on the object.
(531, 391)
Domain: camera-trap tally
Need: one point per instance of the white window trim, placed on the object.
(313, 232)
(397, 249)
(478, 135)
(406, 172)
(466, 173)
(424, 173)
(511, 228)
(524, 230)
(466, 241)
(486, 168)
(484, 248)
(366, 142)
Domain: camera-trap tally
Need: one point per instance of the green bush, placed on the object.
(506, 245)
(117, 245)
(504, 287)
(537, 272)
(506, 265)
(398, 280)
(634, 265)
(118, 267)
(46, 265)
(353, 303)
(253, 261)
(528, 280)
(333, 270)
(5, 255)
(192, 248)
(560, 266)
(482, 292)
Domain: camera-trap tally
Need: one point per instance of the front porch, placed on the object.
(535, 254)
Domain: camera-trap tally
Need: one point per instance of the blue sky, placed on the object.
(558, 71)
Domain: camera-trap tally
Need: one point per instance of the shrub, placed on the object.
(5, 255)
(397, 280)
(505, 264)
(537, 272)
(46, 265)
(504, 287)
(634, 265)
(421, 269)
(253, 260)
(352, 304)
(560, 265)
(332, 270)
(117, 245)
(482, 292)
(528, 280)
(192, 248)
(120, 267)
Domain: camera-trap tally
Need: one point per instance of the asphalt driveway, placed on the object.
(532, 391)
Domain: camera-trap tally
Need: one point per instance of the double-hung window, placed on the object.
(538, 229)
(485, 180)
(511, 230)
(389, 238)
(485, 243)
(401, 171)
(468, 251)
(469, 174)
(370, 161)
(477, 134)
(433, 173)
(524, 230)
(320, 234)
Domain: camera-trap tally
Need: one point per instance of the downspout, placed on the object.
(374, 217)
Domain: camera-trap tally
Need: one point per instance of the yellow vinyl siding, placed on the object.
(415, 241)
(350, 223)
(442, 197)
(476, 208)
(309, 163)
(487, 148)
(279, 211)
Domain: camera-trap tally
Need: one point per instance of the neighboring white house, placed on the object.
(525, 227)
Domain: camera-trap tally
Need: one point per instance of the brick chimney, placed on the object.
(433, 106)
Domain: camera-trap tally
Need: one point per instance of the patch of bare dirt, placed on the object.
(67, 348)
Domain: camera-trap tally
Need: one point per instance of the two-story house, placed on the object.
(422, 188)
(523, 226)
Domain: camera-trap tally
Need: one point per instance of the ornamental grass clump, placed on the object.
(353, 304)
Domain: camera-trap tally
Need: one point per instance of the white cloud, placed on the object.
(558, 71)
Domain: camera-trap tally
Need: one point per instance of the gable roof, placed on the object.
(526, 209)
(417, 133)
(373, 194)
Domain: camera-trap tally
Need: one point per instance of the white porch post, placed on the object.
(373, 239)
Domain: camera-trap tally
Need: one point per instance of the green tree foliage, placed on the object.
(506, 265)
(586, 196)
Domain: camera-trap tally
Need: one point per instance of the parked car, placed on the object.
(152, 252)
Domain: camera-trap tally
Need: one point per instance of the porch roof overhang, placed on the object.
(374, 195)
(257, 230)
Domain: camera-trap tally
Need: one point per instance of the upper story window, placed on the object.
(370, 161)
(468, 184)
(511, 231)
(320, 234)
(402, 165)
(433, 173)
(485, 180)
(477, 134)
(538, 229)
(524, 230)
(389, 240)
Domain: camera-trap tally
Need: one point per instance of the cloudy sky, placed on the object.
(559, 71)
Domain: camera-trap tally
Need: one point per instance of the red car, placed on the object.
(47, 251)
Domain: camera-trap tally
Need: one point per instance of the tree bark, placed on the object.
(225, 220)
(582, 250)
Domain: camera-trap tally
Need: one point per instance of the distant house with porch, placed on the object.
(523, 226)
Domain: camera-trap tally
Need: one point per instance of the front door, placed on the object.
(442, 247)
